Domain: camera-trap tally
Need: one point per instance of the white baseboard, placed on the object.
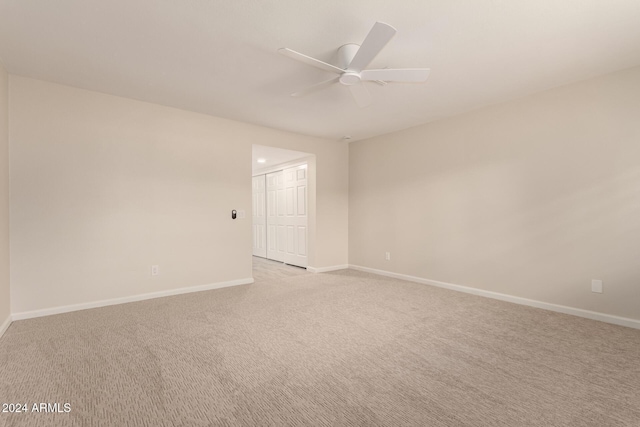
(594, 315)
(5, 325)
(123, 300)
(327, 269)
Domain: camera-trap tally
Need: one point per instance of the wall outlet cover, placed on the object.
(596, 286)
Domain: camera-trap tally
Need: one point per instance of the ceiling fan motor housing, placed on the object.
(348, 78)
(346, 52)
(345, 55)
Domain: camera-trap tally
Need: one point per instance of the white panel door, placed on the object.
(275, 216)
(259, 217)
(295, 216)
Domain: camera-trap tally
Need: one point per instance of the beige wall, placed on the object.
(533, 198)
(103, 187)
(4, 197)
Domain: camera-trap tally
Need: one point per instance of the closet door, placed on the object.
(259, 217)
(275, 216)
(295, 215)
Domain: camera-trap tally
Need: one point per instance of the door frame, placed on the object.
(259, 222)
(310, 160)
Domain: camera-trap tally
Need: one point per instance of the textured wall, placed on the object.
(533, 198)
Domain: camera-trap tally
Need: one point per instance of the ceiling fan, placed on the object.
(353, 60)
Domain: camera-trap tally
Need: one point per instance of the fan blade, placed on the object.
(310, 61)
(360, 94)
(315, 87)
(377, 38)
(406, 75)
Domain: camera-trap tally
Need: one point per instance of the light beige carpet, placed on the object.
(344, 348)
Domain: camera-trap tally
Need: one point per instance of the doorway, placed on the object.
(281, 214)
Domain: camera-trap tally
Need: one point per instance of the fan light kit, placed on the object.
(352, 61)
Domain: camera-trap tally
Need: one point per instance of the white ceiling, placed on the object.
(273, 156)
(220, 56)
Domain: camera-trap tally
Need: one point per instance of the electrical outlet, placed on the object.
(596, 286)
(155, 270)
(387, 256)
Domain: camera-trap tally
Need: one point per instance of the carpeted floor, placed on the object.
(344, 348)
